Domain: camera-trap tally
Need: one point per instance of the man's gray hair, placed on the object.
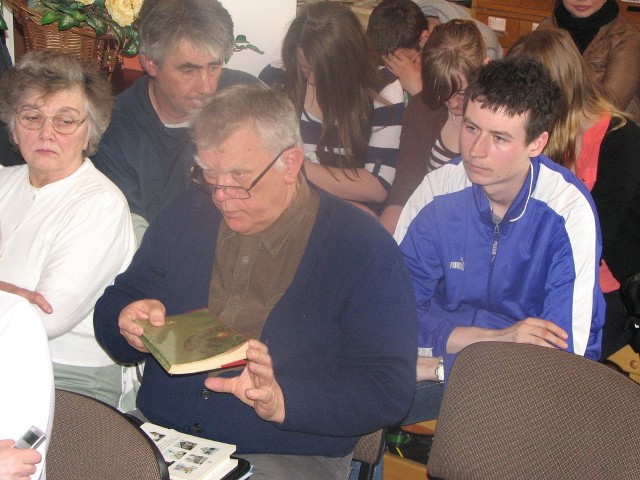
(271, 113)
(205, 24)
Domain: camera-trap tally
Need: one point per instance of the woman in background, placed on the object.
(609, 44)
(350, 117)
(600, 144)
(454, 51)
(65, 229)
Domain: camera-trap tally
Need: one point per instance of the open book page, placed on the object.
(190, 457)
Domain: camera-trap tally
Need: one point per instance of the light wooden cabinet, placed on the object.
(511, 19)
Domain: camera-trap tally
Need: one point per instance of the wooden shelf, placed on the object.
(396, 468)
(510, 19)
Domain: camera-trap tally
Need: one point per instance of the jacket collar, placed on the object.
(519, 205)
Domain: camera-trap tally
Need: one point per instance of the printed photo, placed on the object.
(174, 454)
(199, 459)
(156, 436)
(181, 467)
(185, 445)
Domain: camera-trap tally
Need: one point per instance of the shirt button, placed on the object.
(245, 259)
(197, 428)
(205, 394)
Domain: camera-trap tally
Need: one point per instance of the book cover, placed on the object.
(189, 457)
(194, 342)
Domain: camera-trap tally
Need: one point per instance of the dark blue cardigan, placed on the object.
(343, 336)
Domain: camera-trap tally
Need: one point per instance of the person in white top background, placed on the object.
(27, 381)
(65, 229)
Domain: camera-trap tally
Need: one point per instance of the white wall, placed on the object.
(8, 17)
(264, 23)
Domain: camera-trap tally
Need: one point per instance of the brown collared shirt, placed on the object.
(252, 272)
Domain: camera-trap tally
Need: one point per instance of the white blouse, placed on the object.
(67, 240)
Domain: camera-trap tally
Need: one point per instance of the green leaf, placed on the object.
(79, 16)
(99, 26)
(241, 39)
(66, 21)
(66, 8)
(118, 32)
(49, 18)
(130, 48)
(255, 49)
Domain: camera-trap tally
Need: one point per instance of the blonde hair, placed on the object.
(580, 94)
(454, 49)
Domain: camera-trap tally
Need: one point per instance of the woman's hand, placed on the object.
(33, 297)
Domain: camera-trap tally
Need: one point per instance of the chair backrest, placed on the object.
(91, 440)
(513, 411)
(368, 452)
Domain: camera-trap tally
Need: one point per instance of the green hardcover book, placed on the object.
(194, 342)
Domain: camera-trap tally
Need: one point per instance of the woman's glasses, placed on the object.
(62, 122)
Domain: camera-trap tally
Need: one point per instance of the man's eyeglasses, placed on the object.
(232, 191)
(62, 123)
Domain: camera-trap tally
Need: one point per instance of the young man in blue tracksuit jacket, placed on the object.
(502, 243)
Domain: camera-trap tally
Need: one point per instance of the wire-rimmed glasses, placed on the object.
(63, 123)
(232, 191)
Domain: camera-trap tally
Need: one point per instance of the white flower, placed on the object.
(123, 12)
(86, 2)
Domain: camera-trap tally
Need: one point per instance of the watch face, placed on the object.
(440, 372)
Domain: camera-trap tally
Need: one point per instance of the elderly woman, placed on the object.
(65, 229)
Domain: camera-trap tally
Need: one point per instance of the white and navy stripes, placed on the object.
(384, 142)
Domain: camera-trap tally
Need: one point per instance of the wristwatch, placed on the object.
(440, 370)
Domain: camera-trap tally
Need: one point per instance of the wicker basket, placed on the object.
(101, 52)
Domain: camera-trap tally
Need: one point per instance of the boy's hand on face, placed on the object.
(406, 69)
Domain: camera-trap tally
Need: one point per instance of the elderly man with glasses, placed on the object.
(317, 285)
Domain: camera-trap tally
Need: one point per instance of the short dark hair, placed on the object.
(517, 85)
(396, 24)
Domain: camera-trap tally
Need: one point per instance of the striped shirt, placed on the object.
(439, 155)
(384, 141)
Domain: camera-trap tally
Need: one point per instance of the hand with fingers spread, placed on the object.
(148, 309)
(33, 297)
(256, 385)
(406, 69)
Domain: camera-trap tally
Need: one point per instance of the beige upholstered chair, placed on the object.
(92, 441)
(368, 452)
(514, 411)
